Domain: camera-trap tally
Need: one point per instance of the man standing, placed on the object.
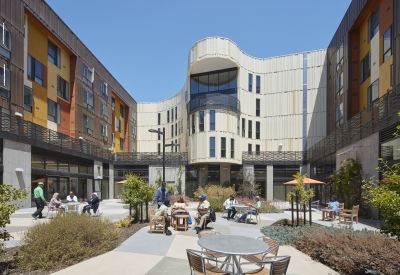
(72, 197)
(93, 204)
(163, 212)
(161, 195)
(202, 213)
(39, 200)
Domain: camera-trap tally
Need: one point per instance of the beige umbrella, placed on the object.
(121, 182)
(305, 181)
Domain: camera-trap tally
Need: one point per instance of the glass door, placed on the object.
(97, 187)
(82, 190)
(64, 191)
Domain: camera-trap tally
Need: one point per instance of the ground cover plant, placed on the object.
(342, 249)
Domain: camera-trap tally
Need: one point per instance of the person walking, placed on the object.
(161, 195)
(39, 199)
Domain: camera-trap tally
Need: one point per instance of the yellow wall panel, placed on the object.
(40, 107)
(363, 94)
(117, 134)
(384, 77)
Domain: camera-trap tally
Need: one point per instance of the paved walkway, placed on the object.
(149, 254)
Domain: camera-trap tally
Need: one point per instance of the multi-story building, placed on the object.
(66, 121)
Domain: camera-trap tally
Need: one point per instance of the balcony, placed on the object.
(274, 157)
(214, 101)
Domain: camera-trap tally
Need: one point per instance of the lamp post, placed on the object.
(164, 145)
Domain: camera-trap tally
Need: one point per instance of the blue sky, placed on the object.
(145, 44)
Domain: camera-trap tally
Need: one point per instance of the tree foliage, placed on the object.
(10, 199)
(247, 186)
(386, 197)
(303, 195)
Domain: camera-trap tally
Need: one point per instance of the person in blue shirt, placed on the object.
(334, 204)
(161, 195)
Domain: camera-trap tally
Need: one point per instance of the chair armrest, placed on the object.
(267, 260)
(346, 211)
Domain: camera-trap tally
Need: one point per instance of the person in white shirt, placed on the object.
(229, 205)
(202, 213)
(72, 197)
(163, 212)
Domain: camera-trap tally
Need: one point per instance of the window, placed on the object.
(365, 69)
(257, 107)
(103, 89)
(87, 124)
(223, 147)
(176, 147)
(159, 134)
(35, 70)
(121, 110)
(339, 57)
(167, 116)
(118, 125)
(250, 82)
(339, 85)
(159, 119)
(257, 130)
(186, 96)
(103, 130)
(53, 111)
(179, 127)
(112, 103)
(176, 112)
(88, 100)
(211, 82)
(176, 129)
(243, 127)
(373, 92)
(53, 54)
(28, 99)
(249, 148)
(339, 114)
(172, 114)
(5, 41)
(103, 110)
(172, 130)
(257, 149)
(134, 131)
(258, 83)
(121, 144)
(232, 148)
(212, 147)
(63, 89)
(250, 129)
(201, 121)
(387, 44)
(133, 116)
(212, 120)
(373, 24)
(193, 125)
(5, 82)
(87, 76)
(238, 125)
(159, 148)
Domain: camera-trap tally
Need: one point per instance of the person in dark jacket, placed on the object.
(93, 204)
(161, 195)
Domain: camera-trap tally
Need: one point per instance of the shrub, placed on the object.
(65, 241)
(266, 206)
(342, 249)
(124, 222)
(216, 195)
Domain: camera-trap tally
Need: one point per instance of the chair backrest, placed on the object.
(341, 206)
(280, 266)
(355, 209)
(204, 233)
(152, 211)
(273, 244)
(195, 261)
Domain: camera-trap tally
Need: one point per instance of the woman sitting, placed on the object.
(334, 204)
(55, 203)
(179, 208)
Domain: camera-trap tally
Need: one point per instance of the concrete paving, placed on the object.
(150, 254)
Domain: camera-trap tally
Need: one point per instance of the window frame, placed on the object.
(212, 147)
(258, 148)
(87, 99)
(118, 125)
(212, 120)
(193, 124)
(243, 127)
(88, 128)
(250, 148)
(103, 88)
(258, 84)
(159, 118)
(103, 110)
(57, 109)
(103, 130)
(5, 50)
(373, 29)
(250, 129)
(86, 77)
(223, 147)
(28, 106)
(339, 120)
(390, 45)
(32, 71)
(201, 121)
(339, 57)
(339, 85)
(62, 88)
(370, 91)
(168, 116)
(258, 104)
(365, 72)
(232, 148)
(5, 83)
(56, 60)
(250, 80)
(258, 126)
(121, 144)
(121, 110)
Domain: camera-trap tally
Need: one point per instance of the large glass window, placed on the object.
(37, 162)
(258, 107)
(373, 92)
(339, 57)
(88, 100)
(105, 190)
(103, 110)
(5, 82)
(121, 110)
(213, 82)
(232, 148)
(365, 69)
(243, 127)
(51, 164)
(250, 148)
(339, 114)
(223, 147)
(63, 166)
(203, 84)
(87, 124)
(103, 131)
(103, 89)
(73, 167)
(212, 147)
(257, 149)
(5, 41)
(258, 83)
(28, 99)
(53, 112)
(121, 144)
(35, 70)
(250, 129)
(257, 130)
(212, 120)
(201, 121)
(159, 119)
(87, 76)
(250, 82)
(53, 54)
(172, 114)
(168, 116)
(373, 23)
(387, 44)
(339, 85)
(172, 130)
(213, 173)
(176, 112)
(224, 81)
(62, 88)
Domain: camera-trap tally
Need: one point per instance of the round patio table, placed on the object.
(240, 208)
(233, 246)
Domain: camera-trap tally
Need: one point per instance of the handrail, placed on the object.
(214, 101)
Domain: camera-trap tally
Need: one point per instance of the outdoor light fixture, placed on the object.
(280, 147)
(19, 170)
(18, 114)
(80, 137)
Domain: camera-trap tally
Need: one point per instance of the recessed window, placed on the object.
(35, 70)
(201, 121)
(103, 130)
(257, 130)
(118, 127)
(113, 103)
(249, 148)
(5, 41)
(121, 144)
(212, 147)
(63, 88)
(176, 129)
(373, 24)
(28, 99)
(257, 149)
(339, 114)
(250, 82)
(121, 110)
(243, 127)
(212, 120)
(193, 125)
(238, 125)
(5, 82)
(134, 131)
(53, 111)
(88, 100)
(159, 148)
(167, 116)
(232, 148)
(176, 112)
(172, 114)
(223, 147)
(103, 89)
(339, 57)
(224, 80)
(373, 92)
(87, 124)
(258, 83)
(365, 69)
(250, 129)
(172, 130)
(103, 110)
(257, 107)
(53, 54)
(88, 76)
(387, 44)
(158, 134)
(159, 119)
(339, 85)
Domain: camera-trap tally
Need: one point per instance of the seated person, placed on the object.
(93, 204)
(179, 207)
(55, 203)
(334, 205)
(229, 205)
(72, 197)
(253, 211)
(202, 213)
(163, 212)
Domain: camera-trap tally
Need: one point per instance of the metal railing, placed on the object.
(273, 158)
(214, 101)
(171, 159)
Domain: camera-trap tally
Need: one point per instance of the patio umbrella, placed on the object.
(42, 180)
(121, 182)
(305, 181)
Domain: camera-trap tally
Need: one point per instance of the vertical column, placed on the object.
(270, 183)
(305, 101)
(111, 181)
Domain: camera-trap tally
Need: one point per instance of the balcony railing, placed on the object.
(171, 159)
(214, 101)
(273, 158)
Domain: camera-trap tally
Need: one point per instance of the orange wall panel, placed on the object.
(64, 126)
(385, 16)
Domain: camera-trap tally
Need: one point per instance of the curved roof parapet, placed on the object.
(214, 101)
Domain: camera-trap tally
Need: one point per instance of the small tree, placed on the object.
(386, 197)
(10, 199)
(303, 195)
(247, 186)
(179, 176)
